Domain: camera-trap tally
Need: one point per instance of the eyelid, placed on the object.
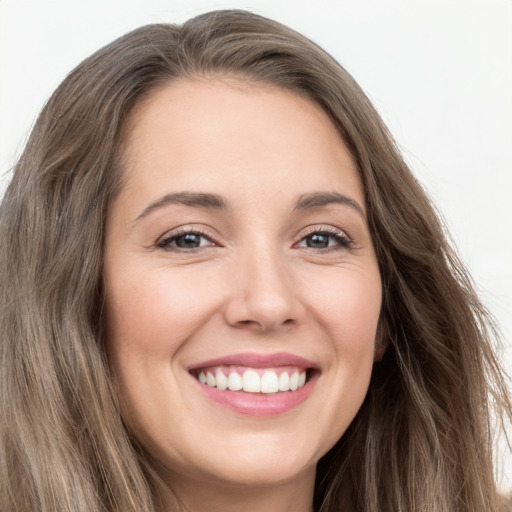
(183, 230)
(174, 233)
(323, 228)
(326, 230)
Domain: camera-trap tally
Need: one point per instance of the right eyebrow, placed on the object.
(321, 199)
(195, 199)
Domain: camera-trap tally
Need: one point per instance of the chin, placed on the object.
(255, 470)
(259, 459)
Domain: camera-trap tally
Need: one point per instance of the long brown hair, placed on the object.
(422, 439)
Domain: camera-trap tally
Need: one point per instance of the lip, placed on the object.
(258, 404)
(255, 360)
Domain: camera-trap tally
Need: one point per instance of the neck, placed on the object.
(201, 496)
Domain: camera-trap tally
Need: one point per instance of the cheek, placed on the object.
(151, 315)
(155, 312)
(348, 308)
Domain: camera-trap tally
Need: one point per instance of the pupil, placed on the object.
(188, 241)
(318, 241)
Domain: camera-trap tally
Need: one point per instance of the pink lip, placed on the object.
(258, 404)
(253, 360)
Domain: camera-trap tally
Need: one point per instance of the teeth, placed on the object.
(269, 382)
(294, 381)
(222, 380)
(252, 382)
(210, 379)
(284, 382)
(234, 382)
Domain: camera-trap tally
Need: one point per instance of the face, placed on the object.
(243, 291)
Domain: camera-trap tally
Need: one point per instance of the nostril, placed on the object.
(247, 323)
(263, 325)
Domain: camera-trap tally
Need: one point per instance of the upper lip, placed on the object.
(255, 360)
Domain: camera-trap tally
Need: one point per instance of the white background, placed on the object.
(439, 72)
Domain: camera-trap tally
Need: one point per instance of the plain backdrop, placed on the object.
(439, 73)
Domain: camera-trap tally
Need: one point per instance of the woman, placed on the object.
(222, 286)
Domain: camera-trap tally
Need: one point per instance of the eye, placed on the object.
(185, 240)
(325, 240)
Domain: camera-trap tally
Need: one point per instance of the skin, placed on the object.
(253, 285)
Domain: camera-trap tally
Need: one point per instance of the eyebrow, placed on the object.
(217, 202)
(195, 199)
(320, 199)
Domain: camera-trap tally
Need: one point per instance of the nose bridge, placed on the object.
(263, 294)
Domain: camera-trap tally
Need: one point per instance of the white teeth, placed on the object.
(269, 382)
(251, 381)
(234, 382)
(294, 381)
(284, 382)
(210, 379)
(222, 380)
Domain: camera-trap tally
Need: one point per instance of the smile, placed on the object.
(255, 384)
(253, 380)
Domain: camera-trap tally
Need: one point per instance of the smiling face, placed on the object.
(238, 256)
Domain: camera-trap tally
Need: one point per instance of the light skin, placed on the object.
(240, 228)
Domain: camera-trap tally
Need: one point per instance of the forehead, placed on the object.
(223, 133)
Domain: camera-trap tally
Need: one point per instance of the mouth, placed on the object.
(256, 384)
(253, 380)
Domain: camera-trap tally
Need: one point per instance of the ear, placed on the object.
(381, 341)
(379, 350)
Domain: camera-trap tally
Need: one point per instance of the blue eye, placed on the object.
(325, 240)
(183, 241)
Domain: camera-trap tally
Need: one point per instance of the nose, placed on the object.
(263, 295)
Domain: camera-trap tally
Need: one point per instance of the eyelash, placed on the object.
(166, 242)
(342, 240)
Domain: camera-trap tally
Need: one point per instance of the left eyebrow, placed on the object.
(320, 199)
(193, 199)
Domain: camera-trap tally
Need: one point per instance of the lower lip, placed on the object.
(259, 404)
